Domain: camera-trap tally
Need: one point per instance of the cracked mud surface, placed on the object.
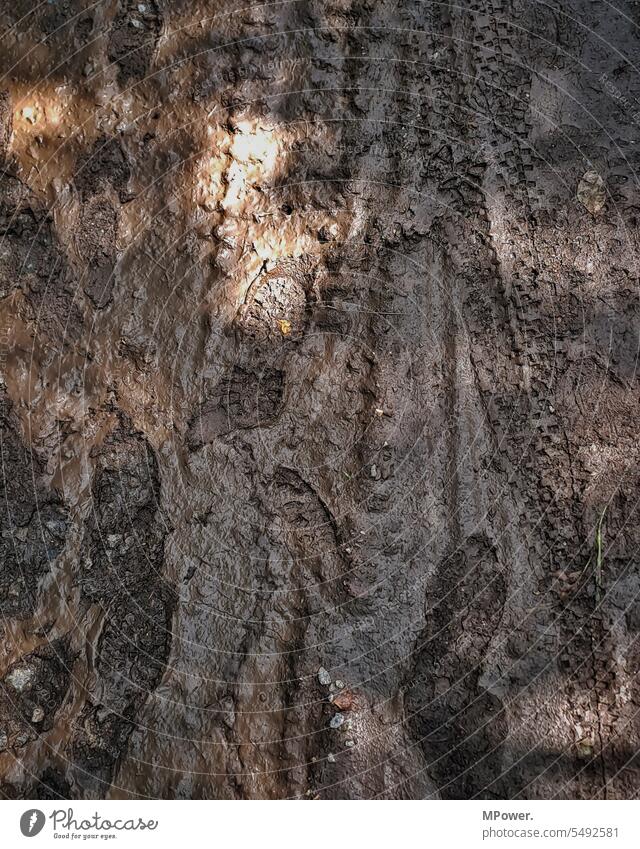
(319, 332)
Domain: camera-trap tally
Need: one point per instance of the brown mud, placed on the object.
(319, 399)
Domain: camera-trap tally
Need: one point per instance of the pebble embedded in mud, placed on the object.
(20, 678)
(337, 721)
(323, 677)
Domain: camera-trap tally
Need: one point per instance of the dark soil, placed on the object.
(319, 333)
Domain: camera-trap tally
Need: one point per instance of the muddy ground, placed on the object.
(319, 399)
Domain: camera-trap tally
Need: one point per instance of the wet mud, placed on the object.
(319, 332)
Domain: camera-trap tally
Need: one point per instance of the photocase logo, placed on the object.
(32, 822)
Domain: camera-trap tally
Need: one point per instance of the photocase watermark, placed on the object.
(66, 826)
(32, 822)
(626, 103)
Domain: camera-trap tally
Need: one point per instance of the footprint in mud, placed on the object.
(121, 572)
(60, 21)
(134, 37)
(103, 167)
(275, 311)
(124, 539)
(131, 657)
(101, 178)
(245, 398)
(34, 521)
(32, 692)
(32, 260)
(97, 247)
(311, 530)
(273, 318)
(307, 517)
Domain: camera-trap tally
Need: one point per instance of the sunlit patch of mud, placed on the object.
(50, 125)
(237, 185)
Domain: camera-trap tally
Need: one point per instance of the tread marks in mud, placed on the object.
(133, 38)
(34, 521)
(460, 725)
(31, 693)
(123, 554)
(547, 467)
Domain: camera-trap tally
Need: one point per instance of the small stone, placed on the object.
(584, 749)
(337, 720)
(323, 677)
(339, 684)
(591, 192)
(331, 758)
(328, 234)
(374, 471)
(20, 678)
(37, 715)
(349, 744)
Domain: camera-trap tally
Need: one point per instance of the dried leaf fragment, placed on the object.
(591, 192)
